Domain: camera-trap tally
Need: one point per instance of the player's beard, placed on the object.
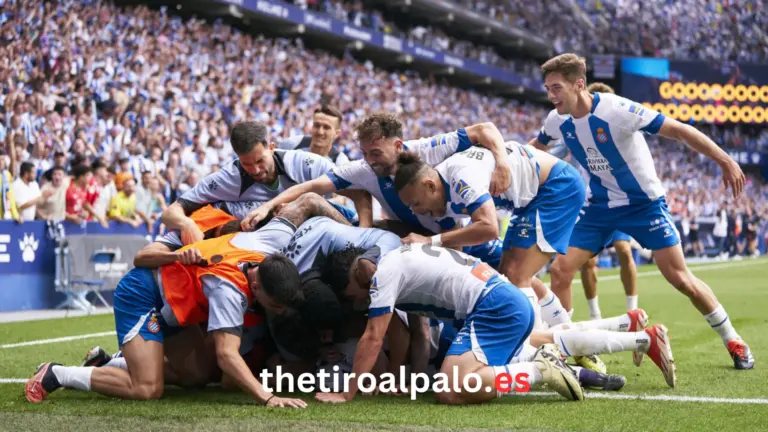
(382, 171)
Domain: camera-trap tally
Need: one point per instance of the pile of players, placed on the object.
(265, 268)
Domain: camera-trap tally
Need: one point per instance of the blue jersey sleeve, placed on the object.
(436, 149)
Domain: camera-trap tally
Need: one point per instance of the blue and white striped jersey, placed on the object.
(434, 150)
(608, 142)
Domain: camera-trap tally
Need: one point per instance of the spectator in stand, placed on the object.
(8, 208)
(152, 204)
(54, 207)
(122, 209)
(26, 192)
(105, 188)
(78, 209)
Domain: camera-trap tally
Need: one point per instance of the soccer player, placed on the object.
(214, 280)
(381, 140)
(619, 241)
(604, 133)
(448, 285)
(441, 336)
(326, 129)
(259, 174)
(546, 195)
(627, 332)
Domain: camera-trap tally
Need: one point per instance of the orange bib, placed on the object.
(182, 286)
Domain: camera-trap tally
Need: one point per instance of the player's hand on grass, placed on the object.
(733, 176)
(500, 179)
(331, 397)
(278, 402)
(190, 233)
(190, 256)
(254, 217)
(416, 238)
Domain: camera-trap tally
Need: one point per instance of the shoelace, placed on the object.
(738, 349)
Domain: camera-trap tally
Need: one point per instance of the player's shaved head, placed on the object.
(598, 87)
(570, 66)
(419, 185)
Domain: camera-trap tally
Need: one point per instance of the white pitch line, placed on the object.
(696, 269)
(589, 395)
(669, 398)
(55, 340)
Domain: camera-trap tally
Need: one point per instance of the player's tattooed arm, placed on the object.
(308, 206)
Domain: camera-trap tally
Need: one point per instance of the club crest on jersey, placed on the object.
(464, 191)
(374, 289)
(153, 325)
(602, 136)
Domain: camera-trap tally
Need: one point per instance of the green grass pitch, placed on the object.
(703, 366)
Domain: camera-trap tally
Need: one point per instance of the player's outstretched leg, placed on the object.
(652, 341)
(671, 263)
(546, 369)
(144, 382)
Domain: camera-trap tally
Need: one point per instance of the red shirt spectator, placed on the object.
(76, 197)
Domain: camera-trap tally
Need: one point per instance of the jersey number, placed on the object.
(460, 260)
(474, 154)
(481, 270)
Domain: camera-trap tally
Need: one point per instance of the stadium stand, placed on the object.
(136, 89)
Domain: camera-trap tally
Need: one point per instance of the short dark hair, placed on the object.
(26, 167)
(246, 135)
(336, 271)
(381, 124)
(230, 227)
(330, 111)
(97, 164)
(292, 333)
(80, 170)
(409, 168)
(280, 279)
(321, 308)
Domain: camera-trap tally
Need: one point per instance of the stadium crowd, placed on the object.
(362, 15)
(145, 101)
(732, 30)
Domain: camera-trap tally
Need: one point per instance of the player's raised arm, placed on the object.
(488, 135)
(733, 176)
